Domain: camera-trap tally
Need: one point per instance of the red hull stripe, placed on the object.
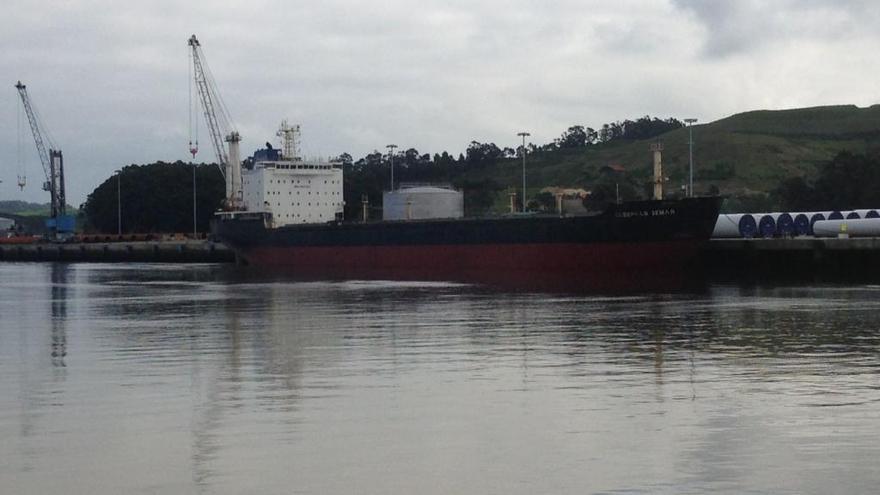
(593, 257)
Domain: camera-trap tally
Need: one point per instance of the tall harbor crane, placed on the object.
(53, 166)
(219, 126)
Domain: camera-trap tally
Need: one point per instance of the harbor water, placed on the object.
(167, 378)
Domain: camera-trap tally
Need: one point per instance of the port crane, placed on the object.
(219, 125)
(53, 166)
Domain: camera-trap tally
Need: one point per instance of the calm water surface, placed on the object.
(196, 379)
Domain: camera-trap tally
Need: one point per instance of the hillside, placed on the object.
(745, 156)
(24, 208)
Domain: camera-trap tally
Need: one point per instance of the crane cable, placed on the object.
(21, 174)
(193, 130)
(18, 158)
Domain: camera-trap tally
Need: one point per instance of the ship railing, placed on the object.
(441, 185)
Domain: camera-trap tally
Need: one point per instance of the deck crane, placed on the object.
(53, 166)
(219, 126)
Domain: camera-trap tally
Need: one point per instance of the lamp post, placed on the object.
(119, 202)
(690, 124)
(391, 158)
(524, 135)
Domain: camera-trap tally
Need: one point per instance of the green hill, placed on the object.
(24, 208)
(745, 156)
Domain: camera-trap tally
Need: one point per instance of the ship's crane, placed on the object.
(219, 126)
(53, 164)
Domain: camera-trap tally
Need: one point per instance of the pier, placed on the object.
(182, 251)
(799, 257)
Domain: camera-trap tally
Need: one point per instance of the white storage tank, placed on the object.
(416, 202)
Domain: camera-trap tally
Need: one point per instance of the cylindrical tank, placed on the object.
(835, 215)
(727, 226)
(766, 226)
(815, 217)
(748, 227)
(802, 224)
(422, 202)
(872, 214)
(863, 227)
(853, 215)
(784, 225)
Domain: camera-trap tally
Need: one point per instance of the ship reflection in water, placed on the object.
(169, 379)
(658, 279)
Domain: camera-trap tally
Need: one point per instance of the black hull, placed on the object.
(628, 244)
(635, 221)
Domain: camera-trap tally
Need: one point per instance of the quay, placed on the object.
(799, 257)
(165, 251)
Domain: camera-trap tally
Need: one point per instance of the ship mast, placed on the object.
(290, 139)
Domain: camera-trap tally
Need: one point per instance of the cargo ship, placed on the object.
(291, 218)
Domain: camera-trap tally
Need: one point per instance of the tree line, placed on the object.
(157, 197)
(848, 181)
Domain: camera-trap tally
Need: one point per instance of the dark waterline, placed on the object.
(206, 379)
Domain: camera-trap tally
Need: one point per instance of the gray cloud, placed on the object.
(111, 79)
(738, 27)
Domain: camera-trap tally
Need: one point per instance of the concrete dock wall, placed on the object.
(802, 258)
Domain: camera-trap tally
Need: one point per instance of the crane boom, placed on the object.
(219, 124)
(208, 98)
(51, 158)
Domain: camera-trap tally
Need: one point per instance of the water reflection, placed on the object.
(59, 273)
(222, 381)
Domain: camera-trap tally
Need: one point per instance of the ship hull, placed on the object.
(630, 242)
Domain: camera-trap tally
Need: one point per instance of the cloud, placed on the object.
(111, 79)
(741, 26)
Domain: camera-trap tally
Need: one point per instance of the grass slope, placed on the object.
(744, 155)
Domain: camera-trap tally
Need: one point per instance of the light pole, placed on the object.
(195, 225)
(391, 157)
(690, 124)
(119, 202)
(523, 135)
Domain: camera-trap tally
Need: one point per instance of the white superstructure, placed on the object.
(294, 191)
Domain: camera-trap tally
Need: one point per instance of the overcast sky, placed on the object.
(110, 78)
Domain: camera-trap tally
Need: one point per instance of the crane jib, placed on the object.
(51, 158)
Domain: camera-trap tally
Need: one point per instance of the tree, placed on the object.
(544, 201)
(345, 159)
(479, 195)
(574, 137)
(847, 181)
(155, 198)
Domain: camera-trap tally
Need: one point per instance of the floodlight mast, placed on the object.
(219, 125)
